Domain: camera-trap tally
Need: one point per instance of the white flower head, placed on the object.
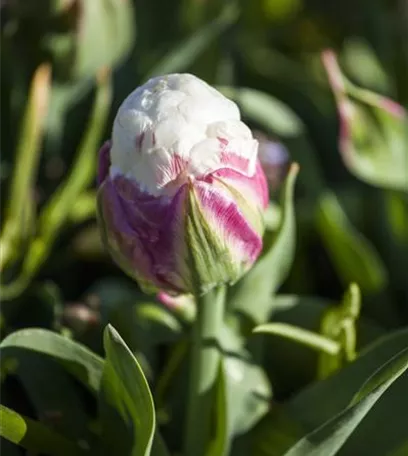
(176, 127)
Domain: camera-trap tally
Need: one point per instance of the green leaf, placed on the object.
(272, 267)
(126, 391)
(354, 257)
(34, 436)
(183, 55)
(301, 336)
(75, 358)
(331, 436)
(316, 404)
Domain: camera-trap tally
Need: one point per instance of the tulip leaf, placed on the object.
(354, 257)
(327, 439)
(316, 405)
(273, 266)
(74, 357)
(127, 408)
(34, 436)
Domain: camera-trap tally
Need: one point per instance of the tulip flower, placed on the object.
(182, 192)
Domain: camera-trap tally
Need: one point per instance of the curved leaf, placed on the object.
(331, 436)
(125, 394)
(74, 357)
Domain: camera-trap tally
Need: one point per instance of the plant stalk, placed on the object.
(205, 360)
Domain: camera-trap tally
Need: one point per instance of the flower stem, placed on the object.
(204, 362)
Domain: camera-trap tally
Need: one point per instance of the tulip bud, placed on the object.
(373, 137)
(181, 189)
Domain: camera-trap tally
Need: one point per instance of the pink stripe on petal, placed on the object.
(239, 155)
(255, 188)
(147, 232)
(228, 223)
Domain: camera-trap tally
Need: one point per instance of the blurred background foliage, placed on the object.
(66, 66)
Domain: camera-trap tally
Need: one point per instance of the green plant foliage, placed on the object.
(125, 393)
(306, 354)
(33, 435)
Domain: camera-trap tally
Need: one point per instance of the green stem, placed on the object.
(205, 359)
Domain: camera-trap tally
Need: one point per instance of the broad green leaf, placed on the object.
(331, 436)
(299, 335)
(183, 55)
(272, 267)
(354, 258)
(317, 404)
(126, 391)
(74, 357)
(34, 436)
(396, 366)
